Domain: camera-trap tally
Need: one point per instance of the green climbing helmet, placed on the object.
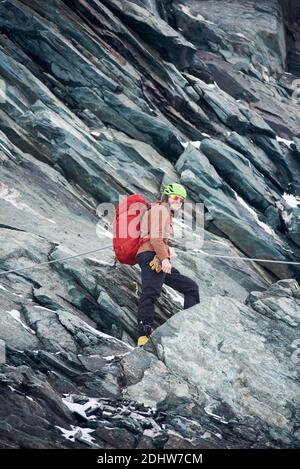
(176, 189)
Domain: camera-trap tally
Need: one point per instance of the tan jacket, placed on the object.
(156, 223)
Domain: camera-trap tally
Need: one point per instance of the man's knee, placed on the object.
(151, 292)
(192, 286)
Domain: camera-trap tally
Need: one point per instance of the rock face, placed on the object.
(102, 99)
(238, 373)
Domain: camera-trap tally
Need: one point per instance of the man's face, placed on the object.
(175, 202)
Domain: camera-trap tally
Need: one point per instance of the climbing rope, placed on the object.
(246, 258)
(35, 266)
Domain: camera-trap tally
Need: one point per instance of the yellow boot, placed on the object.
(142, 340)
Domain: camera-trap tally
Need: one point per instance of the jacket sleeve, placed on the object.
(159, 229)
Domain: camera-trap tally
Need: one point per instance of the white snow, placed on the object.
(11, 388)
(105, 336)
(95, 133)
(174, 295)
(201, 18)
(218, 417)
(12, 196)
(206, 435)
(98, 261)
(16, 294)
(265, 74)
(81, 409)
(219, 242)
(253, 213)
(82, 433)
(188, 12)
(196, 144)
(109, 357)
(151, 433)
(109, 164)
(100, 231)
(42, 307)
(241, 35)
(291, 200)
(17, 316)
(288, 143)
(5, 149)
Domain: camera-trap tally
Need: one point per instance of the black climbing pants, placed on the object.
(152, 283)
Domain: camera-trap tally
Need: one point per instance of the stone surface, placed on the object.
(239, 370)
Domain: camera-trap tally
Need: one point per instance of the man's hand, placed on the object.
(172, 252)
(166, 266)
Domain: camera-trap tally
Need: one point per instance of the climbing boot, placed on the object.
(142, 340)
(145, 331)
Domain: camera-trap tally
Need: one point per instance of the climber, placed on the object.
(154, 258)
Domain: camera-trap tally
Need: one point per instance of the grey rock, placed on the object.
(229, 212)
(227, 356)
(228, 163)
(256, 156)
(156, 32)
(258, 30)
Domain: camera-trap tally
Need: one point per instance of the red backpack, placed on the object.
(126, 228)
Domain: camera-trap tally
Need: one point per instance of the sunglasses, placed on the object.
(177, 198)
